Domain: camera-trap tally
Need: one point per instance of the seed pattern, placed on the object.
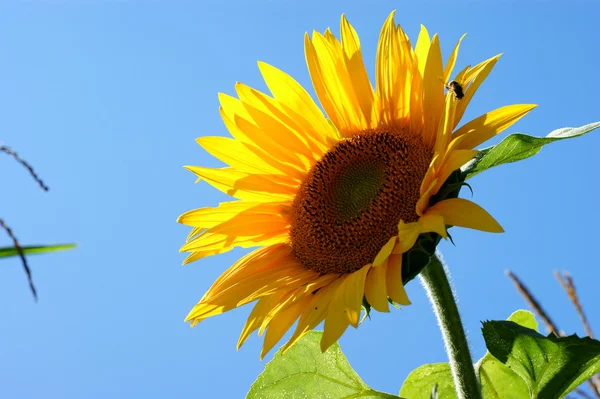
(352, 199)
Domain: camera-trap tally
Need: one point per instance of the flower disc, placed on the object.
(351, 202)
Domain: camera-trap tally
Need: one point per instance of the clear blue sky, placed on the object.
(105, 98)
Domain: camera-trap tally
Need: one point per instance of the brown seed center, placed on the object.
(352, 199)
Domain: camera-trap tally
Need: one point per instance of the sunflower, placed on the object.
(334, 201)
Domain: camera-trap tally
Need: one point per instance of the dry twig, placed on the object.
(17, 158)
(533, 303)
(21, 255)
(566, 281)
(550, 326)
(583, 393)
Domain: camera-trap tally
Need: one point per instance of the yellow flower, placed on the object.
(334, 201)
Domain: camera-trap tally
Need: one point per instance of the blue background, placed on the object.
(105, 99)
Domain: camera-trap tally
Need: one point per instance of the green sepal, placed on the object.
(367, 307)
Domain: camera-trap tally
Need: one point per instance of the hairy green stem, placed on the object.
(435, 280)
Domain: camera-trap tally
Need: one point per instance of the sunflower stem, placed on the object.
(435, 280)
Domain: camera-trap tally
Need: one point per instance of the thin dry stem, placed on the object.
(533, 303)
(550, 325)
(20, 160)
(583, 393)
(566, 281)
(21, 255)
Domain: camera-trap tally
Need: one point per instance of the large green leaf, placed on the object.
(420, 382)
(516, 147)
(500, 382)
(550, 366)
(31, 250)
(303, 372)
(497, 380)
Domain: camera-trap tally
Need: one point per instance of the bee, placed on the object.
(455, 88)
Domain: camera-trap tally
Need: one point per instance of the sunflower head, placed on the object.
(348, 204)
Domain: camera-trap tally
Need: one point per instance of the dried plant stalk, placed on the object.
(566, 281)
(533, 303)
(27, 166)
(567, 284)
(21, 255)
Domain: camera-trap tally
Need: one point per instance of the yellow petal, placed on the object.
(464, 213)
(483, 128)
(356, 71)
(351, 292)
(433, 223)
(260, 259)
(210, 244)
(259, 223)
(209, 217)
(243, 291)
(261, 134)
(416, 98)
(290, 93)
(298, 294)
(446, 122)
(473, 78)
(452, 60)
(423, 202)
(422, 49)
(453, 161)
(232, 123)
(281, 323)
(392, 73)
(261, 188)
(327, 99)
(194, 256)
(260, 310)
(336, 321)
(433, 92)
(385, 251)
(407, 236)
(375, 288)
(395, 288)
(232, 106)
(332, 82)
(314, 313)
(194, 232)
(235, 154)
(268, 115)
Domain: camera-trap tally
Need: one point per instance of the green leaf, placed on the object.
(31, 250)
(524, 318)
(516, 147)
(303, 372)
(497, 380)
(550, 366)
(420, 382)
